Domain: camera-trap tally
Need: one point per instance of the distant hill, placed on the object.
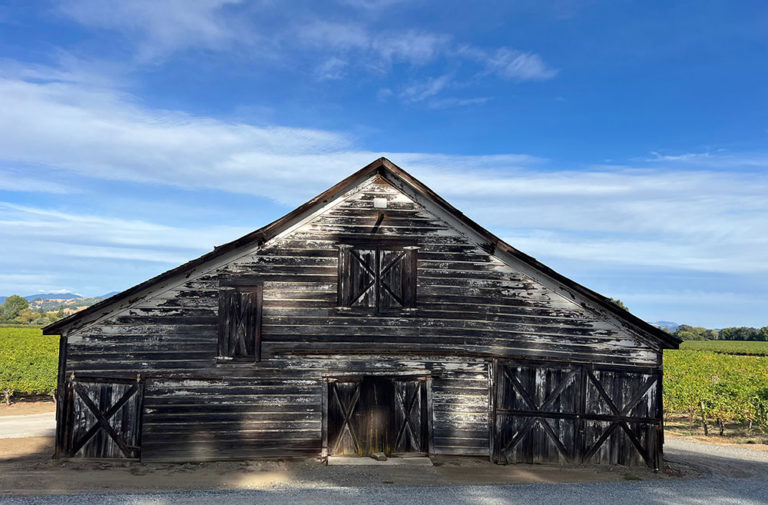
(46, 296)
(50, 296)
(666, 325)
(53, 302)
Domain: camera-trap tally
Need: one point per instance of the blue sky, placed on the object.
(624, 144)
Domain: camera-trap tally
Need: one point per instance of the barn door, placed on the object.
(622, 417)
(556, 413)
(536, 413)
(410, 433)
(376, 414)
(103, 419)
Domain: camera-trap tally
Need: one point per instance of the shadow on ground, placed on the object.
(26, 468)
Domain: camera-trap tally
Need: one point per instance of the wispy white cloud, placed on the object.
(373, 5)
(418, 91)
(331, 69)
(162, 27)
(510, 63)
(329, 47)
(448, 102)
(92, 236)
(17, 180)
(718, 158)
(663, 213)
(354, 40)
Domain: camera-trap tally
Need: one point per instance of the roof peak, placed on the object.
(385, 167)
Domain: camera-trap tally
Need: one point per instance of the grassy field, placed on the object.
(727, 347)
(28, 361)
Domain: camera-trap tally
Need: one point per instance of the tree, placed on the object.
(686, 332)
(740, 333)
(14, 304)
(618, 302)
(26, 316)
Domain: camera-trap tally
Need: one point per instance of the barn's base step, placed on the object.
(394, 461)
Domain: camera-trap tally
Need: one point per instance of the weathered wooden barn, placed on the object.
(374, 318)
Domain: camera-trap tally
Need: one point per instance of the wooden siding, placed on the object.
(468, 302)
(275, 409)
(470, 307)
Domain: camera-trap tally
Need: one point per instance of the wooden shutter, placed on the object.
(240, 323)
(377, 277)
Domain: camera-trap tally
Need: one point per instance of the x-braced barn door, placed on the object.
(622, 421)
(536, 414)
(411, 426)
(103, 418)
(376, 414)
(556, 413)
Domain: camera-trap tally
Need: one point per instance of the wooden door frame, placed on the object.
(356, 376)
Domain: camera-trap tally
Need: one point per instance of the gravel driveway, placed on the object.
(33, 425)
(713, 475)
(694, 492)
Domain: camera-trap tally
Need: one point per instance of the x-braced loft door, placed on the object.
(102, 419)
(556, 413)
(377, 414)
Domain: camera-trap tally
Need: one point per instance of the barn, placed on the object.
(375, 318)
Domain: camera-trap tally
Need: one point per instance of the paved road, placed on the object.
(33, 425)
(713, 491)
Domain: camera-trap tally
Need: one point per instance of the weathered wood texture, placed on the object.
(276, 407)
(469, 308)
(102, 419)
(468, 302)
(554, 413)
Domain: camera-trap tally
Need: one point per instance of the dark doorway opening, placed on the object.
(370, 415)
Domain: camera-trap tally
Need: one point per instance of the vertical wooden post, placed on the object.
(492, 374)
(61, 399)
(579, 444)
(324, 420)
(658, 447)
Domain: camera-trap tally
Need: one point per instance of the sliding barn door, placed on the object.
(558, 413)
(103, 419)
(536, 413)
(622, 418)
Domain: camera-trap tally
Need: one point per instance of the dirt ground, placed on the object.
(26, 468)
(24, 408)
(678, 427)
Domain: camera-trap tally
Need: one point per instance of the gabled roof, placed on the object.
(400, 178)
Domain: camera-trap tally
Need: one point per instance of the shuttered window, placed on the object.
(240, 323)
(377, 278)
